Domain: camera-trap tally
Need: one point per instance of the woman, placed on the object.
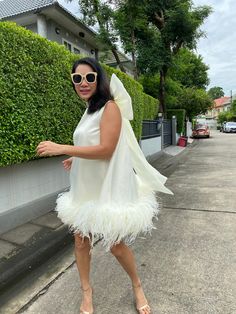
(111, 196)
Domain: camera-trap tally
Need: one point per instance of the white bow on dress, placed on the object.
(147, 175)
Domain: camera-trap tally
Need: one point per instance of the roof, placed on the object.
(10, 8)
(219, 102)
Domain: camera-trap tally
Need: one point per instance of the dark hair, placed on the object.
(102, 94)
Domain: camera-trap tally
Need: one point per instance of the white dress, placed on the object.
(110, 199)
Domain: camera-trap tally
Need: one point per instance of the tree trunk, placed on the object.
(115, 54)
(162, 93)
(102, 27)
(133, 56)
(163, 73)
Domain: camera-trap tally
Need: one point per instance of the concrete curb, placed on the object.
(38, 249)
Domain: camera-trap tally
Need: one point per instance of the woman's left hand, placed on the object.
(49, 148)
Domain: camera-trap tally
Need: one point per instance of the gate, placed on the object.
(151, 128)
(167, 132)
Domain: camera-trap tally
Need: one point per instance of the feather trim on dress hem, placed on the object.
(110, 222)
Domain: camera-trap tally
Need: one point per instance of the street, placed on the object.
(187, 266)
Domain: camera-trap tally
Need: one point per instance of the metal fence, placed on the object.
(155, 128)
(151, 128)
(167, 132)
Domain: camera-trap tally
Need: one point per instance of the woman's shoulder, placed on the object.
(110, 101)
(111, 105)
(110, 112)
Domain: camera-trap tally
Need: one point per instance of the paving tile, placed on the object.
(6, 248)
(21, 234)
(49, 220)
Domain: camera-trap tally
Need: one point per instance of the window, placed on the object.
(67, 45)
(70, 46)
(76, 51)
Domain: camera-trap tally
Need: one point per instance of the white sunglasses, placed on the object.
(90, 77)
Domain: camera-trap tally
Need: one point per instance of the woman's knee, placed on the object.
(117, 250)
(80, 242)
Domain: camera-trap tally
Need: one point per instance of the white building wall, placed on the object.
(65, 35)
(26, 182)
(42, 25)
(32, 27)
(29, 190)
(151, 146)
(189, 129)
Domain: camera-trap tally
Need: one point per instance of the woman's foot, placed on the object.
(141, 301)
(87, 301)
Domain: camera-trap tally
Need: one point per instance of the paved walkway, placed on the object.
(188, 265)
(26, 247)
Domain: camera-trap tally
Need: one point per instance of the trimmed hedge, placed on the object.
(151, 106)
(180, 117)
(37, 101)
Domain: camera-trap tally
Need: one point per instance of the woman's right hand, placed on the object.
(67, 163)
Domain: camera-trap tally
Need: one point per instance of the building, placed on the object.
(51, 20)
(220, 105)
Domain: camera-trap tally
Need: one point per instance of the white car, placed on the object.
(229, 127)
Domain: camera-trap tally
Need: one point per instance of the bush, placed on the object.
(151, 106)
(226, 116)
(37, 101)
(180, 117)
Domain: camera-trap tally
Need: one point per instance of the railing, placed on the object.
(151, 128)
(167, 132)
(156, 128)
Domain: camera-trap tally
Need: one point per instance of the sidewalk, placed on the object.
(31, 244)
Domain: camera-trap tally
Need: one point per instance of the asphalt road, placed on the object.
(188, 266)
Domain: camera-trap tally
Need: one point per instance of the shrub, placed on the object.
(37, 101)
(151, 106)
(226, 116)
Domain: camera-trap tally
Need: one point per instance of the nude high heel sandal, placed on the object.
(143, 307)
(82, 311)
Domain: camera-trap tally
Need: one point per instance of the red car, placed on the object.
(201, 130)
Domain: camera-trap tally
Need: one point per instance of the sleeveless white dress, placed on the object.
(112, 199)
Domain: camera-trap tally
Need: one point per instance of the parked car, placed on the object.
(229, 127)
(222, 126)
(201, 130)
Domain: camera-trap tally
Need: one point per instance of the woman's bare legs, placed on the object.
(125, 257)
(82, 248)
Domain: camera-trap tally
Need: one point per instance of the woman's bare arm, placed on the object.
(110, 127)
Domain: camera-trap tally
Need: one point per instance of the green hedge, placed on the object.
(180, 117)
(151, 106)
(37, 101)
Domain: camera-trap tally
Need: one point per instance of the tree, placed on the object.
(153, 32)
(173, 88)
(226, 116)
(189, 69)
(233, 107)
(101, 13)
(216, 92)
(130, 19)
(194, 101)
(177, 24)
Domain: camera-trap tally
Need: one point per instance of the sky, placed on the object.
(218, 47)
